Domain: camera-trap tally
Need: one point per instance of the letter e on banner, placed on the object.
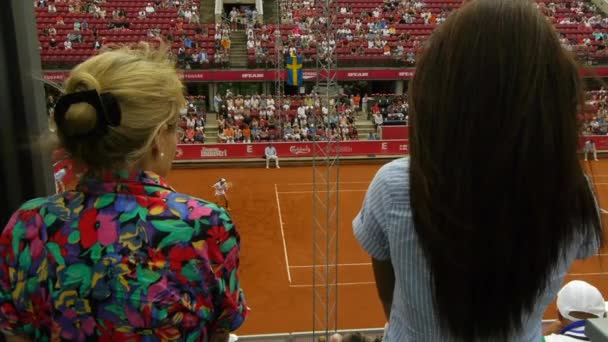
(384, 146)
(249, 148)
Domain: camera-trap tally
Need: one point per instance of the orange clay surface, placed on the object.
(280, 306)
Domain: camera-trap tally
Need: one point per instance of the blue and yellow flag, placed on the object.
(295, 73)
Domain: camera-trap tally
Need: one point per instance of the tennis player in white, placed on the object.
(590, 148)
(221, 188)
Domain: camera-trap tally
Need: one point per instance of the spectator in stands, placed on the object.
(118, 119)
(229, 134)
(67, 45)
(150, 9)
(52, 8)
(199, 135)
(75, 37)
(217, 102)
(270, 153)
(425, 219)
(377, 117)
(246, 134)
(364, 103)
(577, 302)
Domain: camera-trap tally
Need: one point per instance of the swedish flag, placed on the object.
(294, 70)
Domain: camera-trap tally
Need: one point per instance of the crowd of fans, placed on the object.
(582, 26)
(240, 17)
(389, 30)
(595, 113)
(394, 29)
(304, 118)
(293, 118)
(77, 28)
(193, 119)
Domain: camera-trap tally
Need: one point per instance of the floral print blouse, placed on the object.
(122, 258)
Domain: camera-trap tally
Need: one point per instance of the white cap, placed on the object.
(336, 338)
(580, 296)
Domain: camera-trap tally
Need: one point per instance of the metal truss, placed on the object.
(326, 176)
(279, 86)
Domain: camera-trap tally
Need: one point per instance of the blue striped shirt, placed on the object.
(384, 228)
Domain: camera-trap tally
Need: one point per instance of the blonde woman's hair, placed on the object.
(144, 81)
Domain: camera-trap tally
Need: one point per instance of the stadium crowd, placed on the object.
(72, 30)
(595, 114)
(393, 30)
(304, 117)
(192, 121)
(261, 117)
(296, 118)
(390, 31)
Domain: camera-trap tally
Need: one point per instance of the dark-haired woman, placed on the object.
(472, 236)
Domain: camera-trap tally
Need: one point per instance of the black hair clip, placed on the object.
(106, 107)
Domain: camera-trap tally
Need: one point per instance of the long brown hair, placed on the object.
(497, 191)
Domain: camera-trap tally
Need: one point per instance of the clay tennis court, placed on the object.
(272, 209)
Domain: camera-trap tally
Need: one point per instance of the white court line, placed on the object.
(282, 234)
(586, 274)
(355, 182)
(603, 211)
(310, 191)
(353, 264)
(339, 284)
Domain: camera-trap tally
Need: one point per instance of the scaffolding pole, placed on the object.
(279, 85)
(326, 177)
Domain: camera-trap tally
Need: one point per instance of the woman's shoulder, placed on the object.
(395, 172)
(200, 209)
(392, 182)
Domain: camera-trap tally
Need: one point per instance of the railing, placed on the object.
(306, 336)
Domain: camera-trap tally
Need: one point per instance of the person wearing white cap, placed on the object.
(577, 301)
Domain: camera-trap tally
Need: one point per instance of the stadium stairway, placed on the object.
(364, 127)
(270, 12)
(207, 11)
(238, 49)
(211, 131)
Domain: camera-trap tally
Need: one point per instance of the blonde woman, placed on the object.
(124, 256)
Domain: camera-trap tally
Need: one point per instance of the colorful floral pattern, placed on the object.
(122, 258)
